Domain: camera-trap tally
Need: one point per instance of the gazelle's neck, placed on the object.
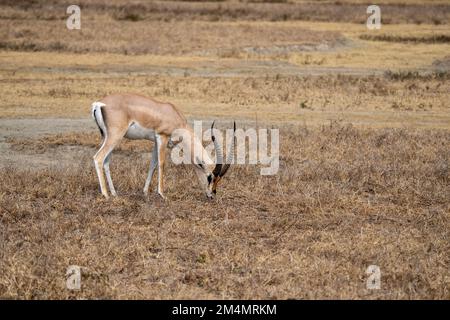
(199, 158)
(199, 155)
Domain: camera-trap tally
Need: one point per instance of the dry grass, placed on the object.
(340, 11)
(151, 37)
(436, 38)
(377, 100)
(180, 28)
(344, 198)
(380, 55)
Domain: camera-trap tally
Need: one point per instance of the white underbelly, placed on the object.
(135, 132)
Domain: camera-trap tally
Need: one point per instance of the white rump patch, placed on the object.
(96, 105)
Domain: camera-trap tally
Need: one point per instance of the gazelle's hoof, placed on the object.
(162, 196)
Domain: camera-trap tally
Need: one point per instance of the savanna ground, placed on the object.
(364, 174)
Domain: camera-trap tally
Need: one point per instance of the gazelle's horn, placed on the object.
(230, 153)
(219, 156)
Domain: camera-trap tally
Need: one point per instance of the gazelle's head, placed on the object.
(211, 178)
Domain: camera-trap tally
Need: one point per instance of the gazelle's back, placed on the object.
(146, 112)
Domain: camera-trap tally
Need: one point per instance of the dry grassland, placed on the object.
(344, 198)
(364, 159)
(375, 100)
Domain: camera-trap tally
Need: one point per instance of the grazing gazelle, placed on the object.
(138, 117)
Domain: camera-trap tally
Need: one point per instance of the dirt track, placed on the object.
(204, 69)
(33, 128)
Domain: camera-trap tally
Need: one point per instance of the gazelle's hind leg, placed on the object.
(108, 174)
(111, 141)
(161, 145)
(151, 171)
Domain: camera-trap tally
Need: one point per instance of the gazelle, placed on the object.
(138, 117)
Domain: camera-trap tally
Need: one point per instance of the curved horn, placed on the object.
(219, 157)
(230, 153)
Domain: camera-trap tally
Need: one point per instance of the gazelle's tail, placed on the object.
(98, 116)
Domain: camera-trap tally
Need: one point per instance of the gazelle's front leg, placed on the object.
(151, 171)
(161, 145)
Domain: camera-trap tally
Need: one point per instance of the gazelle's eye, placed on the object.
(209, 179)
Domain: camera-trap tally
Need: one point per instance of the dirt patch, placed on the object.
(27, 130)
(442, 64)
(212, 69)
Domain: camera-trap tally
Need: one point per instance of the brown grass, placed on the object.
(344, 199)
(337, 11)
(436, 38)
(185, 28)
(274, 97)
(152, 37)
